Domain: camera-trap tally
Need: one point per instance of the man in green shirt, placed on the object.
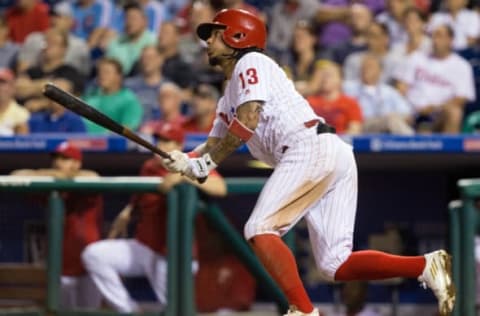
(112, 99)
(127, 47)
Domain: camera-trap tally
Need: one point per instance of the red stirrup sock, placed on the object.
(277, 258)
(375, 265)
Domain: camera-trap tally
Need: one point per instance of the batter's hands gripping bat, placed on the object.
(78, 106)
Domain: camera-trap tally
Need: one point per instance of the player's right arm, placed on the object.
(120, 224)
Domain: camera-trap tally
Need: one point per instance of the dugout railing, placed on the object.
(464, 225)
(182, 203)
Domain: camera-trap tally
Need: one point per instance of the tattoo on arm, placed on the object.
(249, 114)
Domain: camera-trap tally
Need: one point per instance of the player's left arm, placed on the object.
(241, 129)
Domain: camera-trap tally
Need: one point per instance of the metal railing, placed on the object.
(182, 204)
(464, 225)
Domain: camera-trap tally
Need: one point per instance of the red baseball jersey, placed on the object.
(151, 228)
(83, 219)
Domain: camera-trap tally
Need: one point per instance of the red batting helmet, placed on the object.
(242, 29)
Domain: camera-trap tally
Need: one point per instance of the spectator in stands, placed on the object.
(55, 118)
(378, 45)
(155, 11)
(329, 102)
(360, 20)
(145, 254)
(147, 83)
(417, 40)
(127, 47)
(112, 99)
(8, 49)
(25, 17)
(300, 61)
(190, 46)
(464, 22)
(77, 54)
(175, 67)
(82, 226)
(52, 65)
(13, 117)
(170, 104)
(393, 19)
(334, 17)
(237, 4)
(283, 18)
(204, 105)
(438, 85)
(384, 109)
(90, 16)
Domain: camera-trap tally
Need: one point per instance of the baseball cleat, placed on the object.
(437, 275)
(292, 311)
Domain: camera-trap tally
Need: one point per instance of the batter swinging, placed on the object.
(315, 174)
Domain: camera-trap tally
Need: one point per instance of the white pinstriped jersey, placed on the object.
(257, 77)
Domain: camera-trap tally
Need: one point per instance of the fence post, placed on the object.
(454, 209)
(468, 223)
(172, 254)
(188, 202)
(54, 258)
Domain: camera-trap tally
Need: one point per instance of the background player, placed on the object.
(82, 226)
(145, 254)
(315, 173)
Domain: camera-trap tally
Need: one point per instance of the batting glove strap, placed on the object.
(200, 167)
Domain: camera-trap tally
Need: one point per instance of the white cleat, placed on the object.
(437, 276)
(294, 312)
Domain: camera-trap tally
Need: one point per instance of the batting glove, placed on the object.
(199, 168)
(179, 163)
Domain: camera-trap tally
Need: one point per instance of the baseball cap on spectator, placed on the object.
(206, 91)
(6, 75)
(169, 131)
(67, 150)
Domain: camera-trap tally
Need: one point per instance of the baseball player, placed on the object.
(315, 174)
(108, 260)
(83, 219)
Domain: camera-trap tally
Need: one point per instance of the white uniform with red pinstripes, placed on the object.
(315, 175)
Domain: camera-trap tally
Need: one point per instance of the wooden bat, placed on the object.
(78, 106)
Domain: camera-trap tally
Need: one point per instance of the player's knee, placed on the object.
(253, 229)
(330, 261)
(91, 256)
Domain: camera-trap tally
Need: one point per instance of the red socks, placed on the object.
(277, 258)
(375, 265)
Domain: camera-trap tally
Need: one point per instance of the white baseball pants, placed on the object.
(108, 260)
(79, 292)
(315, 178)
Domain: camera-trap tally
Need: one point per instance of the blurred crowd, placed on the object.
(366, 66)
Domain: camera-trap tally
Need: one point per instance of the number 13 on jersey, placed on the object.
(249, 77)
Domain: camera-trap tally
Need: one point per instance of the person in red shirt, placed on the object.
(204, 105)
(82, 226)
(329, 102)
(26, 17)
(145, 254)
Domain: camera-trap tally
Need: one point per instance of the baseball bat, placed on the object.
(78, 106)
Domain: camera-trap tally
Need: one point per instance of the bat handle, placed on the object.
(202, 180)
